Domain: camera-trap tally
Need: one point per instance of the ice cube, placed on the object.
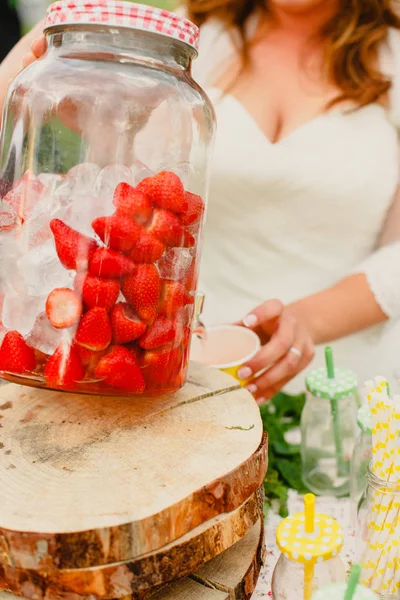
(44, 337)
(9, 252)
(42, 270)
(83, 211)
(174, 263)
(140, 172)
(107, 181)
(36, 229)
(25, 195)
(8, 216)
(84, 175)
(20, 310)
(51, 180)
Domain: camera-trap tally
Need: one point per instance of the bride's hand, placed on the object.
(288, 348)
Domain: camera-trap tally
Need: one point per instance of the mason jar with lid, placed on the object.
(105, 154)
(362, 455)
(378, 536)
(328, 428)
(310, 546)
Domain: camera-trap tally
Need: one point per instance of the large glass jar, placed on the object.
(378, 536)
(328, 429)
(362, 455)
(105, 156)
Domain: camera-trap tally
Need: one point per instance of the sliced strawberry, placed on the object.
(132, 203)
(167, 228)
(64, 369)
(126, 325)
(117, 232)
(148, 249)
(174, 296)
(110, 264)
(74, 249)
(119, 369)
(15, 354)
(63, 308)
(161, 332)
(165, 191)
(94, 330)
(142, 291)
(162, 366)
(97, 291)
(195, 209)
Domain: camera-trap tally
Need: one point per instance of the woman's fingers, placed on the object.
(263, 315)
(274, 379)
(275, 349)
(39, 47)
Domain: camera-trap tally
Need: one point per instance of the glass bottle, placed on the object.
(310, 545)
(328, 425)
(104, 167)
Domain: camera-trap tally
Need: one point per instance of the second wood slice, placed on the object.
(87, 481)
(139, 577)
(232, 576)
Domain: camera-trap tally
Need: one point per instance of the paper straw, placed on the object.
(352, 584)
(330, 369)
(309, 511)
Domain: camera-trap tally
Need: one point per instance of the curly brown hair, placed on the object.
(351, 40)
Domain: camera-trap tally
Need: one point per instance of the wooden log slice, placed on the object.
(231, 576)
(87, 481)
(138, 578)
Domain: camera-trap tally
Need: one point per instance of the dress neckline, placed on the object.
(296, 132)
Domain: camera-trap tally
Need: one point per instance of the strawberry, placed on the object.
(74, 249)
(174, 296)
(167, 228)
(119, 369)
(126, 325)
(110, 264)
(64, 369)
(132, 203)
(94, 330)
(117, 232)
(142, 291)
(147, 249)
(96, 291)
(63, 308)
(191, 276)
(88, 358)
(15, 354)
(162, 366)
(161, 332)
(165, 190)
(195, 209)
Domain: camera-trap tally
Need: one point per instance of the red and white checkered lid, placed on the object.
(123, 14)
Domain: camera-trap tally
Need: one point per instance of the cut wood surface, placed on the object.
(179, 559)
(231, 576)
(237, 570)
(87, 481)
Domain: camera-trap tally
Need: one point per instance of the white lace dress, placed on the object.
(288, 219)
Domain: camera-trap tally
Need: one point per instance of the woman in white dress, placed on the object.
(304, 204)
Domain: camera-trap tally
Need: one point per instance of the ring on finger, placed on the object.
(295, 351)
